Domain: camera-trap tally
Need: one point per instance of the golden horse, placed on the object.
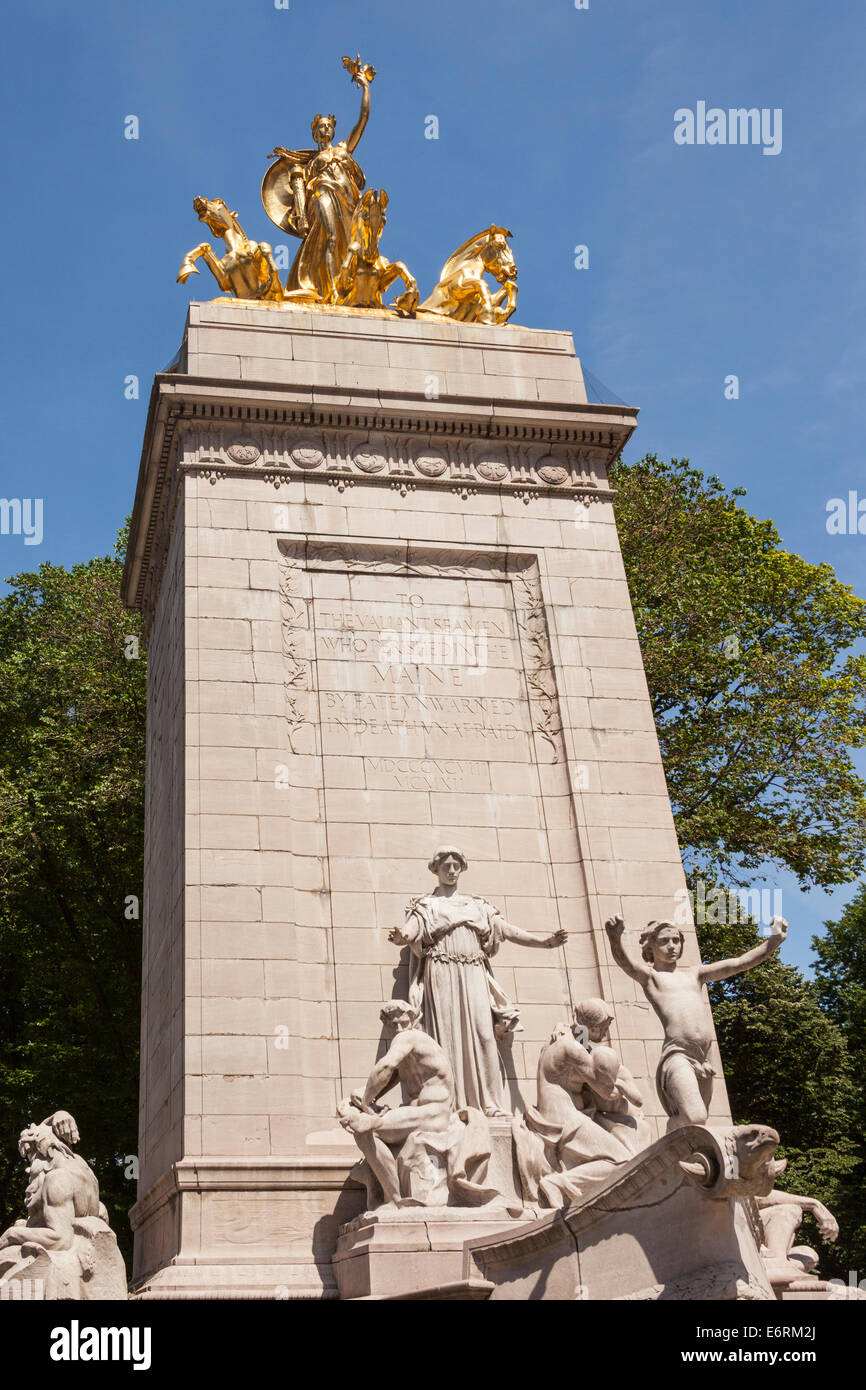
(463, 294)
(248, 269)
(365, 275)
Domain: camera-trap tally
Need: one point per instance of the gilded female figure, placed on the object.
(313, 193)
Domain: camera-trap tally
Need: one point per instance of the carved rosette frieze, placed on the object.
(243, 451)
(301, 557)
(404, 461)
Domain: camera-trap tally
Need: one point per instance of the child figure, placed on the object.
(684, 1077)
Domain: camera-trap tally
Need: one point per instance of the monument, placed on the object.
(386, 610)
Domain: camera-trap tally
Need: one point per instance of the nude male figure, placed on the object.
(685, 1076)
(421, 1064)
(584, 1089)
(62, 1189)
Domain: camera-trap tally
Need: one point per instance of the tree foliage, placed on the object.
(840, 983)
(787, 1064)
(757, 697)
(759, 700)
(840, 971)
(71, 810)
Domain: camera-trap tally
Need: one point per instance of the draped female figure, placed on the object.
(312, 194)
(452, 938)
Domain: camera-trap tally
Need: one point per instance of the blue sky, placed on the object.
(704, 261)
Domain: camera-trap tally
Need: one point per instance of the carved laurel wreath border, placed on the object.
(303, 556)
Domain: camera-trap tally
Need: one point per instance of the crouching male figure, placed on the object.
(417, 1060)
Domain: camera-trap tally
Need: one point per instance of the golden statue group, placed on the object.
(318, 195)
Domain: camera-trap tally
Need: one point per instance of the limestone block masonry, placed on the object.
(387, 610)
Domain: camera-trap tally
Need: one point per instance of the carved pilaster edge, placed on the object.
(162, 523)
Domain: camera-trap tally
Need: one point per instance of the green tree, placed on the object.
(758, 701)
(71, 809)
(787, 1064)
(840, 970)
(840, 982)
(757, 698)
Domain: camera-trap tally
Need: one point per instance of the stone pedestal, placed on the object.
(235, 1227)
(93, 1270)
(395, 1252)
(386, 609)
(814, 1290)
(398, 1251)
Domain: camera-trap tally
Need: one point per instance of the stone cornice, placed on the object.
(359, 408)
(280, 431)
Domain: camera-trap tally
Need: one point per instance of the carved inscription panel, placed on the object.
(423, 678)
